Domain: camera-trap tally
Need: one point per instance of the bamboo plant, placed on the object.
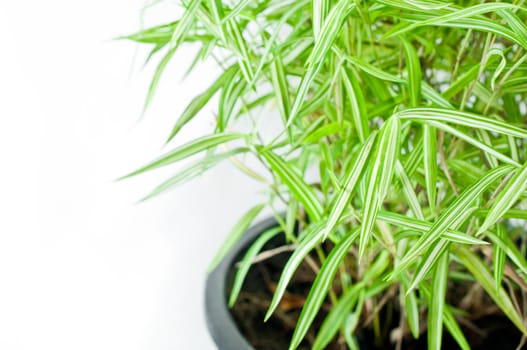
(412, 113)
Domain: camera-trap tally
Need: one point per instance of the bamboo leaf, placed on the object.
(321, 132)
(337, 316)
(506, 198)
(501, 65)
(200, 101)
(160, 34)
(430, 163)
(235, 234)
(462, 82)
(504, 243)
(320, 287)
(480, 271)
(323, 43)
(414, 73)
(515, 23)
(424, 226)
(157, 76)
(246, 262)
(312, 237)
(469, 139)
(329, 31)
(296, 184)
(320, 9)
(411, 308)
(241, 49)
(230, 95)
(428, 92)
(448, 319)
(437, 304)
(302, 91)
(186, 22)
(192, 171)
(236, 10)
(465, 17)
(462, 118)
(280, 87)
(382, 171)
(186, 150)
(499, 258)
(451, 217)
(351, 179)
(408, 191)
(357, 104)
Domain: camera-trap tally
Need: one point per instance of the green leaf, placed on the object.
(200, 101)
(193, 171)
(451, 217)
(186, 22)
(246, 262)
(510, 214)
(437, 304)
(236, 10)
(160, 34)
(411, 308)
(235, 234)
(230, 95)
(480, 271)
(351, 178)
(357, 103)
(515, 23)
(506, 198)
(323, 43)
(462, 118)
(462, 82)
(469, 139)
(321, 132)
(295, 183)
(408, 191)
(414, 73)
(337, 316)
(430, 163)
(504, 243)
(454, 329)
(320, 287)
(499, 258)
(216, 8)
(329, 31)
(242, 50)
(187, 150)
(320, 9)
(448, 319)
(424, 226)
(380, 178)
(280, 87)
(157, 76)
(464, 18)
(302, 91)
(501, 65)
(311, 238)
(351, 323)
(428, 92)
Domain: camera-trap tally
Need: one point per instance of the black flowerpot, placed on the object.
(222, 326)
(227, 336)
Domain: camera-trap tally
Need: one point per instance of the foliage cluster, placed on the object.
(414, 114)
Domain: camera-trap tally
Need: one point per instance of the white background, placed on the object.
(82, 266)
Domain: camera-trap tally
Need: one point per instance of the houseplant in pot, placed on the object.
(412, 115)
